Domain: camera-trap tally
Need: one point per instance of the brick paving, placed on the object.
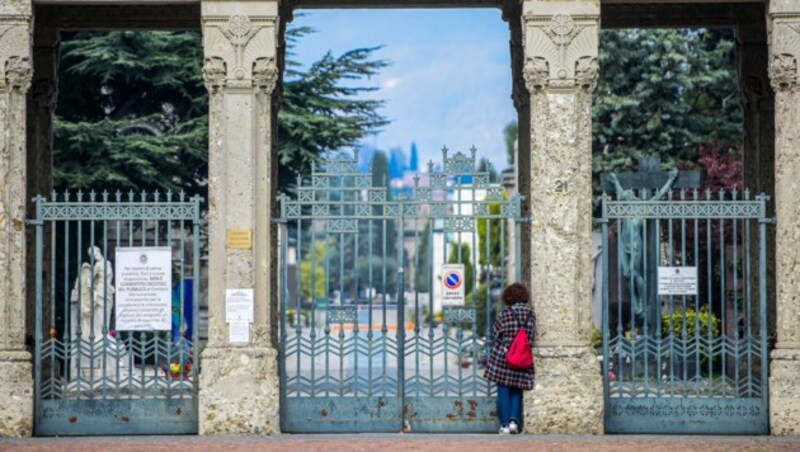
(406, 443)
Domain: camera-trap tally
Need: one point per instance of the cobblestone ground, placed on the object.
(406, 443)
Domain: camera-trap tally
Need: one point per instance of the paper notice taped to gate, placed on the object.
(239, 331)
(144, 288)
(238, 305)
(677, 280)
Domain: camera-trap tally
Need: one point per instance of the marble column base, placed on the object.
(16, 397)
(239, 392)
(784, 392)
(568, 396)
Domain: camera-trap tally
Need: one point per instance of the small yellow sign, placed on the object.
(240, 239)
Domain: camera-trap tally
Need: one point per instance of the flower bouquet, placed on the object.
(177, 370)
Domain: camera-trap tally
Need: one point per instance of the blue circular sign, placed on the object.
(452, 280)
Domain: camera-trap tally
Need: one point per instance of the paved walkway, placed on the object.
(406, 443)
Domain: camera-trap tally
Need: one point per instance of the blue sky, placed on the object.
(449, 82)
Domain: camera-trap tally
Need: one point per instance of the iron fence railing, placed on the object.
(684, 312)
(92, 374)
(362, 326)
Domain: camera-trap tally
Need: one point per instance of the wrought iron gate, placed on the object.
(365, 344)
(684, 313)
(91, 377)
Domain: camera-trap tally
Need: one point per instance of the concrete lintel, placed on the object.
(182, 16)
(689, 14)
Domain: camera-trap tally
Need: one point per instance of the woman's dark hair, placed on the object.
(516, 293)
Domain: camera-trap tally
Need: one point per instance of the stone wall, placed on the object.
(784, 53)
(16, 403)
(239, 381)
(560, 70)
(554, 45)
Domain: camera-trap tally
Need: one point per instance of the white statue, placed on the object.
(93, 293)
(96, 296)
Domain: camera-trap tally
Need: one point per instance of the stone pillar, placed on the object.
(784, 56)
(561, 48)
(41, 103)
(239, 381)
(16, 398)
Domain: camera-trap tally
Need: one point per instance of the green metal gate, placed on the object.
(684, 313)
(365, 342)
(91, 376)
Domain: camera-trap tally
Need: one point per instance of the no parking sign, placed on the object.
(453, 285)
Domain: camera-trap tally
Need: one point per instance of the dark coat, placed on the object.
(505, 328)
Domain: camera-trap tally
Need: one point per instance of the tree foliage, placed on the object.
(492, 237)
(486, 166)
(510, 135)
(133, 112)
(422, 269)
(313, 259)
(323, 108)
(664, 93)
(723, 168)
(374, 254)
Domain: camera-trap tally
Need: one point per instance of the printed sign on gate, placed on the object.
(677, 280)
(144, 288)
(453, 285)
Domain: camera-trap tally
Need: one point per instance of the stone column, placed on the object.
(16, 398)
(239, 381)
(41, 103)
(784, 53)
(561, 48)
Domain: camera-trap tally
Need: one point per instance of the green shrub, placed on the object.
(597, 337)
(692, 317)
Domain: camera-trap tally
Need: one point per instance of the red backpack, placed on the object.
(519, 356)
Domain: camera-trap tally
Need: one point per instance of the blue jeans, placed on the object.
(509, 404)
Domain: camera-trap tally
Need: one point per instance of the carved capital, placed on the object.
(561, 51)
(265, 74)
(239, 50)
(536, 73)
(18, 73)
(214, 71)
(784, 51)
(15, 41)
(586, 69)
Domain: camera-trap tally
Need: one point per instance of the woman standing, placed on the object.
(510, 382)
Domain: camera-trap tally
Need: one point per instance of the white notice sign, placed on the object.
(453, 285)
(238, 305)
(144, 288)
(239, 331)
(677, 280)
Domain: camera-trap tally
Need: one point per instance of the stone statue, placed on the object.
(630, 241)
(91, 311)
(95, 291)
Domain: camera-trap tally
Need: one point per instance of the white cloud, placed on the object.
(390, 83)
